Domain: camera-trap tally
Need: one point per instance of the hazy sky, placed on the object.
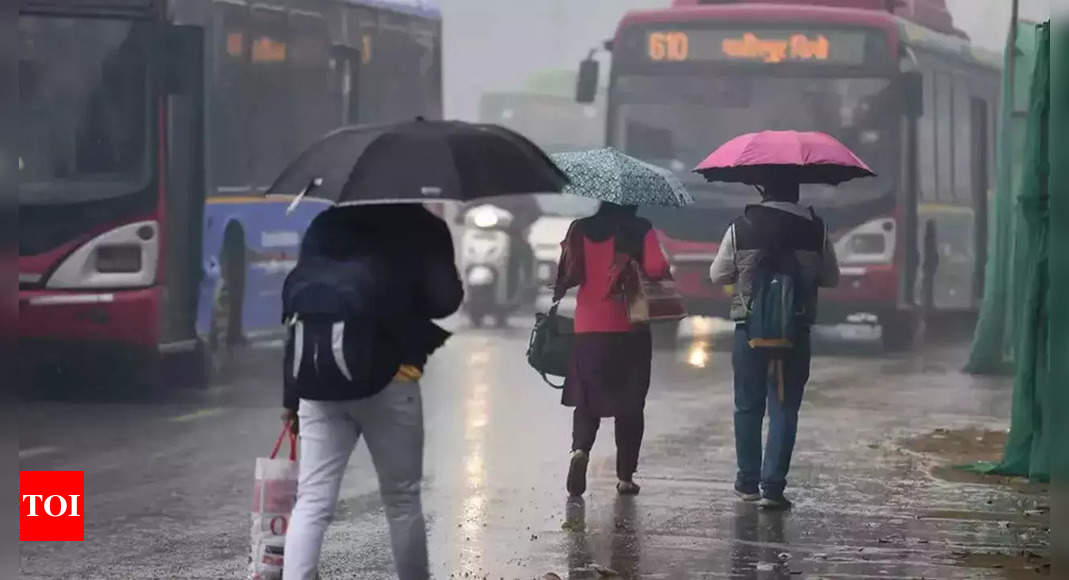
(496, 45)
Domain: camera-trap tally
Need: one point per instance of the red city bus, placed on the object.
(904, 89)
(149, 130)
(110, 179)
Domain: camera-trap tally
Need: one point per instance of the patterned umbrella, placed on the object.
(608, 175)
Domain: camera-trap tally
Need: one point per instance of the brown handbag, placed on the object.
(647, 300)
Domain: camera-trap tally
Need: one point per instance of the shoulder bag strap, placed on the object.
(547, 381)
(551, 317)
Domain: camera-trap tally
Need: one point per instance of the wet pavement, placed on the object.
(168, 482)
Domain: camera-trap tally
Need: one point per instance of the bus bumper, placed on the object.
(71, 336)
(124, 318)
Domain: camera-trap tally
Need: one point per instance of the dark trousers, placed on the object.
(754, 387)
(629, 430)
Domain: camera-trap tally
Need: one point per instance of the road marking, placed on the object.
(37, 451)
(201, 414)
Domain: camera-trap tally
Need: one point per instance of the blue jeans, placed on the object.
(753, 387)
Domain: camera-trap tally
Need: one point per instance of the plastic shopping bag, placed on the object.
(274, 493)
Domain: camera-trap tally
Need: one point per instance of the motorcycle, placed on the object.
(494, 285)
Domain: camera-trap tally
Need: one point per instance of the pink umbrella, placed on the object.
(805, 157)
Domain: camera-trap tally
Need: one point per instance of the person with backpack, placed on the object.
(358, 309)
(609, 374)
(776, 256)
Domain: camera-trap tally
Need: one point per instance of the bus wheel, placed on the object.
(224, 329)
(897, 333)
(218, 348)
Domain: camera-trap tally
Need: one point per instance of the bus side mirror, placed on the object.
(586, 89)
(183, 59)
(913, 94)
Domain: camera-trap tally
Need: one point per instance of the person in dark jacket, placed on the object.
(359, 306)
(610, 366)
(777, 222)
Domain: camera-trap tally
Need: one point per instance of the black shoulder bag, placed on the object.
(550, 349)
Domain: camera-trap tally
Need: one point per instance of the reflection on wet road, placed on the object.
(176, 473)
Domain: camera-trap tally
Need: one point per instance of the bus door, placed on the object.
(184, 184)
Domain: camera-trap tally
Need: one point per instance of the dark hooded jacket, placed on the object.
(387, 272)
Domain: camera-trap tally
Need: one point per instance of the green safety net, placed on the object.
(993, 344)
(1058, 393)
(1024, 269)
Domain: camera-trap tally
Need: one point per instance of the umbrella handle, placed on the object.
(312, 184)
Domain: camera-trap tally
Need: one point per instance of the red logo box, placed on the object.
(51, 506)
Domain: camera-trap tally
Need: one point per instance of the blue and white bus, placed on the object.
(283, 75)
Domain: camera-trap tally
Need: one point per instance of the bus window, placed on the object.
(944, 147)
(228, 140)
(964, 136)
(271, 112)
(84, 89)
(315, 111)
(430, 73)
(392, 78)
(926, 142)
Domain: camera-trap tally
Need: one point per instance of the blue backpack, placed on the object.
(779, 303)
(778, 310)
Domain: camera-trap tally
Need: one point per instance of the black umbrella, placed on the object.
(419, 161)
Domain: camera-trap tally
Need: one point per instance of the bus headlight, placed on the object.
(870, 243)
(115, 259)
(125, 257)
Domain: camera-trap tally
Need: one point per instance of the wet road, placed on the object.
(168, 482)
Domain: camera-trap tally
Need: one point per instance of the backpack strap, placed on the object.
(735, 249)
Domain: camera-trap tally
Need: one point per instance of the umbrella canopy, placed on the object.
(419, 161)
(608, 175)
(804, 157)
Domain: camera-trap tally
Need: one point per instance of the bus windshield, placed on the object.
(676, 121)
(83, 99)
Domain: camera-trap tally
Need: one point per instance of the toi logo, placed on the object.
(51, 506)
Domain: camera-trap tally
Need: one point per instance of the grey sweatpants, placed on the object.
(392, 424)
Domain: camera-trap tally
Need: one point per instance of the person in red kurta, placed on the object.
(610, 367)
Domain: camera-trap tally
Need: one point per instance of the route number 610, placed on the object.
(669, 46)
